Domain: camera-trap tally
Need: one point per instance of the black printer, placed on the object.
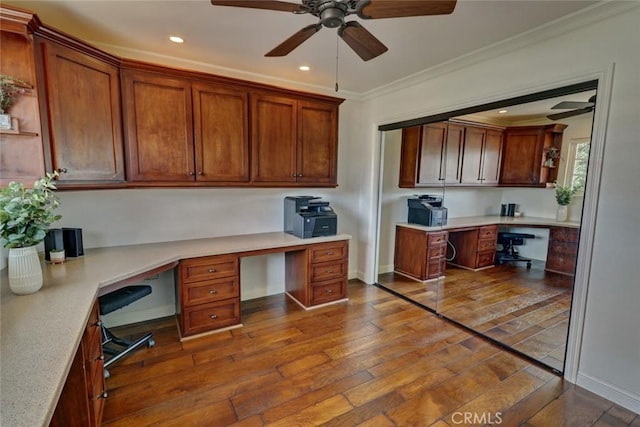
(427, 210)
(307, 216)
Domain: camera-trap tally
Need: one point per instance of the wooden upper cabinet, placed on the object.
(452, 162)
(409, 156)
(159, 122)
(432, 147)
(82, 109)
(21, 155)
(221, 130)
(481, 157)
(317, 142)
(523, 154)
(273, 139)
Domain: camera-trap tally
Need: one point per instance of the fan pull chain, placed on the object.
(337, 46)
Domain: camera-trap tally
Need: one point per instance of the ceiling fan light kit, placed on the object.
(332, 14)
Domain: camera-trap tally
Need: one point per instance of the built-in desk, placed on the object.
(420, 251)
(41, 332)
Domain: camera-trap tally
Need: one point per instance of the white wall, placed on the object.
(609, 356)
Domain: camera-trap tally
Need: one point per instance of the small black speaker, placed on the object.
(72, 242)
(54, 239)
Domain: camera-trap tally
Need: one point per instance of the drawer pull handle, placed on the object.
(330, 253)
(329, 291)
(329, 271)
(212, 291)
(103, 395)
(212, 270)
(214, 316)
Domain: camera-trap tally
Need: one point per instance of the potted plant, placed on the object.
(551, 154)
(563, 198)
(10, 89)
(56, 256)
(25, 217)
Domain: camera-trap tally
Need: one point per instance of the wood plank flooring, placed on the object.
(527, 309)
(376, 360)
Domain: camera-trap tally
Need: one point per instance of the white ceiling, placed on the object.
(237, 38)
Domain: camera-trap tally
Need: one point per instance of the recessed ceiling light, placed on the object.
(176, 39)
(304, 68)
(502, 111)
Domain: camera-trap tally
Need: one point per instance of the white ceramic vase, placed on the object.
(25, 271)
(562, 213)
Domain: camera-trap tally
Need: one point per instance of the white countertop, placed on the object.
(475, 221)
(40, 333)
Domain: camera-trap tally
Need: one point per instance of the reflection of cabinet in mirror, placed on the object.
(452, 153)
(420, 254)
(563, 250)
(474, 247)
(524, 154)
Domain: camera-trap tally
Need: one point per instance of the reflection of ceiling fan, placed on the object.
(576, 108)
(333, 12)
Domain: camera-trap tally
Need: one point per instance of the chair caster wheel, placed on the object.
(151, 343)
(528, 265)
(106, 374)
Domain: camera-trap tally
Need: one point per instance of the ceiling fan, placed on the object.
(576, 108)
(332, 14)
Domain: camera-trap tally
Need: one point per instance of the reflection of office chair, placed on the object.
(114, 301)
(509, 253)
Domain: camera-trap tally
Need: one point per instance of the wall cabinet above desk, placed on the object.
(450, 153)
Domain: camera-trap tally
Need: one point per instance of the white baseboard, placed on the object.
(125, 318)
(624, 398)
(385, 269)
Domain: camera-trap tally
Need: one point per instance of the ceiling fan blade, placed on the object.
(568, 114)
(294, 41)
(282, 6)
(377, 9)
(361, 41)
(570, 105)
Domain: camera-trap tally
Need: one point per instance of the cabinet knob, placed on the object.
(191, 173)
(329, 291)
(212, 291)
(329, 271)
(330, 253)
(200, 173)
(294, 175)
(300, 175)
(103, 395)
(212, 270)
(61, 170)
(101, 357)
(214, 316)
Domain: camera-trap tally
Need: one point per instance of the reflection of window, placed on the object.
(577, 163)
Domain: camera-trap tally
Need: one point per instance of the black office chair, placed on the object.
(509, 253)
(115, 301)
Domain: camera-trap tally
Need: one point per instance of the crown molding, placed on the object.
(572, 22)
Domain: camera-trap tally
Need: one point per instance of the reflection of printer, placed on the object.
(427, 210)
(306, 216)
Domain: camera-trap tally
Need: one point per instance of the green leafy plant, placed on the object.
(27, 213)
(565, 194)
(10, 88)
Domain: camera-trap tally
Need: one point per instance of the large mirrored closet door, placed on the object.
(503, 263)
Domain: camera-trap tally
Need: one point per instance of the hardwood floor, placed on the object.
(376, 360)
(526, 309)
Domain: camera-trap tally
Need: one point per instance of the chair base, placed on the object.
(127, 346)
(501, 258)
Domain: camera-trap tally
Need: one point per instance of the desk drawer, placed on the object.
(328, 271)
(489, 231)
(562, 248)
(484, 259)
(209, 317)
(562, 264)
(436, 238)
(210, 291)
(328, 291)
(208, 268)
(436, 252)
(333, 251)
(486, 245)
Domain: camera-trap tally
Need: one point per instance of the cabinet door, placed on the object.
(491, 157)
(84, 122)
(409, 156)
(522, 155)
(158, 116)
(317, 142)
(221, 130)
(453, 154)
(273, 139)
(434, 136)
(472, 158)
